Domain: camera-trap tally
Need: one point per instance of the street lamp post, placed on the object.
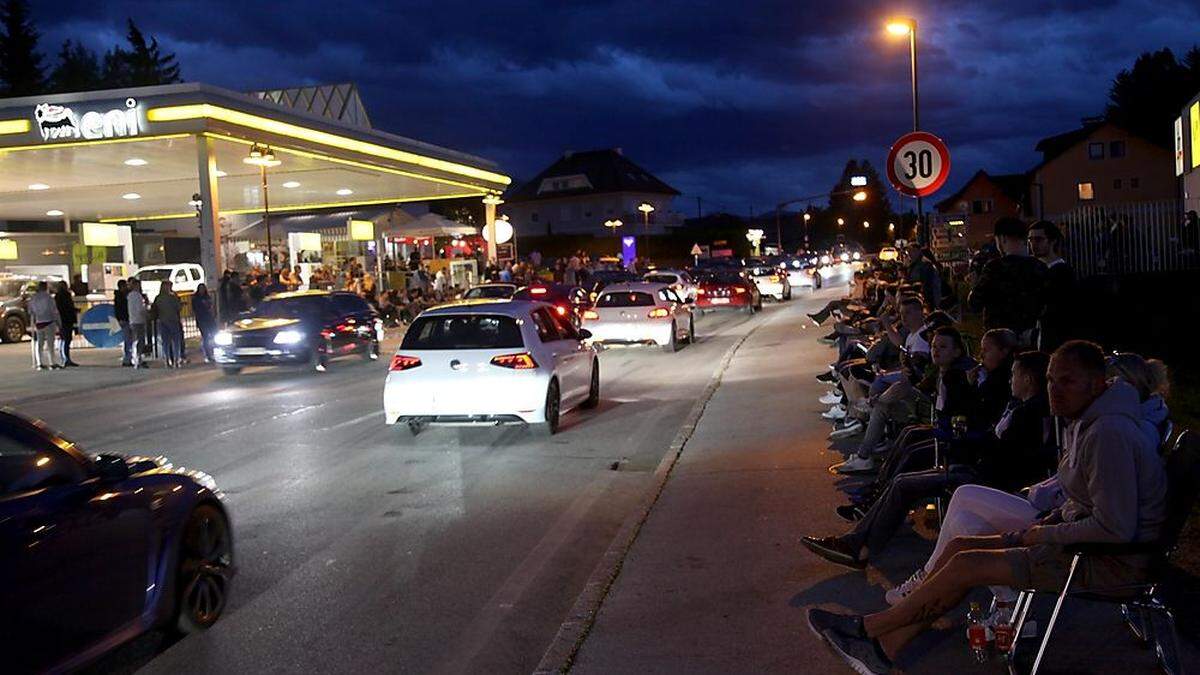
(262, 156)
(646, 208)
(613, 225)
(907, 26)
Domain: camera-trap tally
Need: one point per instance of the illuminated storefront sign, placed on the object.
(362, 230)
(58, 122)
(101, 234)
(1194, 117)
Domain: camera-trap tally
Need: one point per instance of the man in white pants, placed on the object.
(43, 314)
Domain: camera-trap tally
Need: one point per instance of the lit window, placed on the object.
(1095, 151)
(1116, 183)
(1116, 149)
(1086, 192)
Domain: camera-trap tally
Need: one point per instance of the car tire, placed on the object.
(593, 398)
(552, 410)
(230, 370)
(673, 342)
(691, 331)
(750, 308)
(203, 570)
(758, 307)
(787, 293)
(14, 329)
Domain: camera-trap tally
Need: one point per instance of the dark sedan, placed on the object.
(305, 328)
(98, 549)
(569, 301)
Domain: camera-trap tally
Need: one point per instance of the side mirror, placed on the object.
(112, 468)
(585, 334)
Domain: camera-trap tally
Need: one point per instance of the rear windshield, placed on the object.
(660, 278)
(625, 299)
(489, 292)
(464, 331)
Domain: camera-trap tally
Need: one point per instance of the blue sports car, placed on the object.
(97, 549)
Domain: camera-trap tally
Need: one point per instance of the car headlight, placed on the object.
(857, 255)
(224, 338)
(845, 257)
(825, 260)
(288, 337)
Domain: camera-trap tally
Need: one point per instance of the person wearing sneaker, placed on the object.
(1116, 487)
(1019, 453)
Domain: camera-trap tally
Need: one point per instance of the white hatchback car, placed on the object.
(641, 313)
(490, 362)
(681, 281)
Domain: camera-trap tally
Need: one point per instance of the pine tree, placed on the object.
(114, 72)
(77, 70)
(1147, 98)
(146, 62)
(21, 71)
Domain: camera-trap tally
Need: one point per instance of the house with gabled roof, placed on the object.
(983, 199)
(581, 191)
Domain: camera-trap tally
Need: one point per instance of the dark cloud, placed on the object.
(742, 103)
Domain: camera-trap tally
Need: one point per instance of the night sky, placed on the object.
(743, 103)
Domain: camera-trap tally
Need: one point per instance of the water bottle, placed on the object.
(977, 634)
(1003, 628)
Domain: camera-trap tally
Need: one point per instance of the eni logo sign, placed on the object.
(58, 122)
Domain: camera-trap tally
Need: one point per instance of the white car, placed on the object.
(803, 271)
(491, 291)
(184, 278)
(681, 281)
(486, 363)
(641, 313)
(771, 282)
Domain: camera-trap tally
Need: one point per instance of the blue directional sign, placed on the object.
(99, 325)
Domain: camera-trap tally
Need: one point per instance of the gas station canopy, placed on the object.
(138, 154)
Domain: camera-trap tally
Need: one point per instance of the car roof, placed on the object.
(298, 294)
(635, 286)
(514, 308)
(494, 283)
(167, 266)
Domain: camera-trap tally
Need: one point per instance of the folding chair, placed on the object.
(1147, 616)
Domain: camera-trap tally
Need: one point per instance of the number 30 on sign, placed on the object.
(918, 164)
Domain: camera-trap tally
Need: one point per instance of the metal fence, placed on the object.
(1130, 238)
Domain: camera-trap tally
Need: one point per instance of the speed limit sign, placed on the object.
(918, 164)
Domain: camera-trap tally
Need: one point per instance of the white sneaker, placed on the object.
(895, 595)
(847, 431)
(830, 398)
(837, 412)
(855, 464)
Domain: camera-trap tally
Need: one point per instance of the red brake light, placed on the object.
(738, 289)
(402, 362)
(699, 291)
(658, 313)
(562, 311)
(538, 290)
(590, 314)
(522, 361)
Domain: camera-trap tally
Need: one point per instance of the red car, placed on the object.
(569, 301)
(727, 289)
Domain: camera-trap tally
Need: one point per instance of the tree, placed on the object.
(1147, 98)
(77, 70)
(21, 71)
(875, 209)
(146, 62)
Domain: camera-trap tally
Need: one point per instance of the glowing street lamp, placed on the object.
(860, 196)
(262, 156)
(613, 225)
(755, 238)
(866, 225)
(841, 222)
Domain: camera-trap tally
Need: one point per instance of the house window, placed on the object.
(1116, 183)
(1095, 151)
(533, 216)
(981, 206)
(1116, 149)
(1086, 192)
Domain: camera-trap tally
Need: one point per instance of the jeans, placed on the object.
(207, 333)
(138, 334)
(127, 339)
(880, 523)
(895, 404)
(171, 336)
(65, 336)
(44, 352)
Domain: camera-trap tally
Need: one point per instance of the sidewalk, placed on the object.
(716, 581)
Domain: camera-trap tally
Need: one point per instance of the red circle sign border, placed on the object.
(943, 152)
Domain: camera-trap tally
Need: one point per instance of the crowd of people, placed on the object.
(1036, 438)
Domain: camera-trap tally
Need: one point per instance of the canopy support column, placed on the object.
(489, 230)
(210, 224)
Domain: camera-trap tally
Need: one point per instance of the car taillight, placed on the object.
(658, 313)
(522, 361)
(402, 362)
(699, 291)
(562, 310)
(774, 278)
(537, 290)
(739, 289)
(590, 314)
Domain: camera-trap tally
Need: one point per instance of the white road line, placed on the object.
(356, 420)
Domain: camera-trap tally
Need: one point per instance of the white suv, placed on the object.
(184, 278)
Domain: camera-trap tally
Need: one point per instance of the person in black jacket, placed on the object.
(121, 313)
(993, 374)
(1010, 291)
(65, 302)
(1058, 316)
(1018, 453)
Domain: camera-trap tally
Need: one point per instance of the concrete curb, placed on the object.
(560, 656)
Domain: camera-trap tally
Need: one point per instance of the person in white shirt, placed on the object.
(43, 314)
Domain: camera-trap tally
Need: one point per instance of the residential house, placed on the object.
(983, 199)
(581, 191)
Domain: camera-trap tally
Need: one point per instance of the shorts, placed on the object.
(1045, 567)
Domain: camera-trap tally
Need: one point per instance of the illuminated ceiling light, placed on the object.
(291, 184)
(345, 192)
(131, 196)
(38, 186)
(136, 161)
(261, 155)
(54, 213)
(219, 173)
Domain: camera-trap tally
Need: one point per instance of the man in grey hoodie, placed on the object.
(1115, 486)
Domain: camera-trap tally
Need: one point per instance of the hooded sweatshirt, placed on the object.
(1111, 473)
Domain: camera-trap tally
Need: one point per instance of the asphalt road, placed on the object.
(361, 548)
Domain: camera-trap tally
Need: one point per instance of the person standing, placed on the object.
(68, 317)
(1010, 291)
(206, 320)
(170, 325)
(121, 313)
(1054, 326)
(79, 286)
(43, 314)
(135, 304)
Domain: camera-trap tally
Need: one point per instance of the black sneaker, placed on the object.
(820, 620)
(861, 653)
(835, 551)
(827, 377)
(851, 512)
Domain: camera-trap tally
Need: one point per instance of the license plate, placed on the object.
(251, 351)
(720, 301)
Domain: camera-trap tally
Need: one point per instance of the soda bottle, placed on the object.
(977, 637)
(1003, 628)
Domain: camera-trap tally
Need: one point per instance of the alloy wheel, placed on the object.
(205, 568)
